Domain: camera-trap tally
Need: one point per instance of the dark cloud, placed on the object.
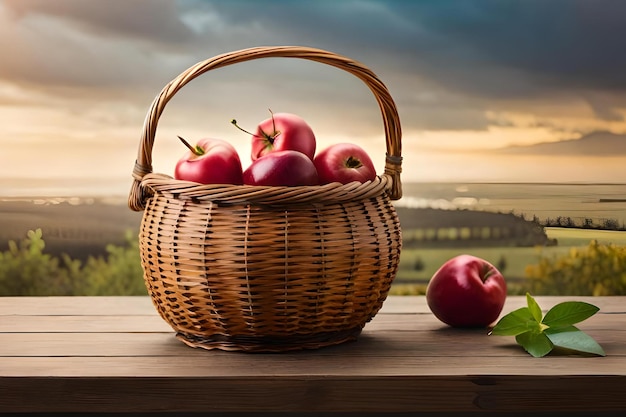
(153, 20)
(571, 44)
(490, 50)
(497, 47)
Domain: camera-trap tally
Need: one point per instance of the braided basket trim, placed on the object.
(242, 194)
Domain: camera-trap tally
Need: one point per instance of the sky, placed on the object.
(481, 86)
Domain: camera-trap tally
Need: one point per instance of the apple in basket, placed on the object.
(210, 161)
(281, 132)
(466, 291)
(344, 163)
(281, 168)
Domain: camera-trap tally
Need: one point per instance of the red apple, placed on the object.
(281, 132)
(344, 163)
(210, 161)
(466, 291)
(286, 168)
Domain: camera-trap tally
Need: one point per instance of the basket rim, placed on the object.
(157, 183)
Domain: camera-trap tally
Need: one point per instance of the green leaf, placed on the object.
(514, 323)
(539, 337)
(568, 313)
(537, 344)
(572, 338)
(534, 308)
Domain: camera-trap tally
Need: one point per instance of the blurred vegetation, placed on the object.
(598, 269)
(584, 223)
(27, 270)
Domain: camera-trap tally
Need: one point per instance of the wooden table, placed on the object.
(115, 354)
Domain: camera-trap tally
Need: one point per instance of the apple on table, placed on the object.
(466, 291)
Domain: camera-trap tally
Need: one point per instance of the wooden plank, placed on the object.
(142, 305)
(83, 324)
(373, 342)
(154, 323)
(243, 366)
(76, 305)
(417, 304)
(314, 394)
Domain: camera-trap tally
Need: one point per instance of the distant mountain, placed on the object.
(592, 144)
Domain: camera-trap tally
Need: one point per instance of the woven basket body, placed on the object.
(268, 268)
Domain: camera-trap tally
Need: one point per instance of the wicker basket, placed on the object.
(268, 269)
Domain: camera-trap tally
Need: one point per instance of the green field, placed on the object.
(511, 260)
(581, 237)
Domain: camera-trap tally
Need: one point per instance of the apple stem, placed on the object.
(273, 123)
(234, 122)
(353, 162)
(194, 149)
(487, 272)
(270, 138)
(276, 133)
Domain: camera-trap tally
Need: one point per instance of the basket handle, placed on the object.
(391, 120)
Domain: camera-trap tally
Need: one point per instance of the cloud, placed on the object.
(560, 43)
(91, 47)
(149, 20)
(575, 40)
(490, 54)
(483, 47)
